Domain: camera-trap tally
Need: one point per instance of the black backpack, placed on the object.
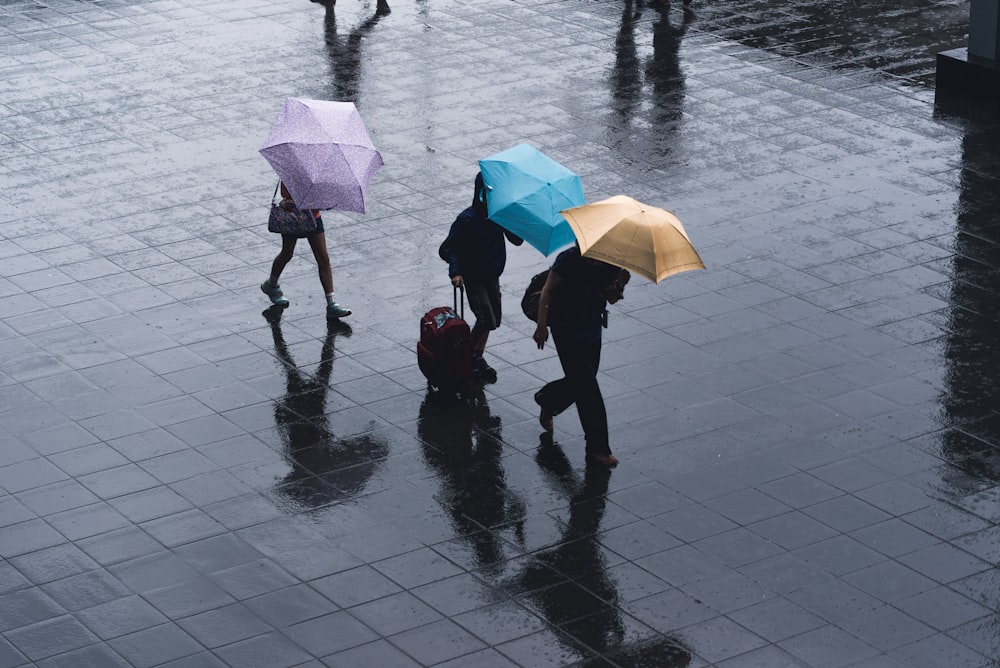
(529, 302)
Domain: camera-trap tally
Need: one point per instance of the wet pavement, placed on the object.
(809, 430)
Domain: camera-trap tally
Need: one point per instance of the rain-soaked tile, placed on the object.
(149, 504)
(395, 613)
(263, 651)
(416, 568)
(828, 645)
(155, 645)
(290, 605)
(53, 563)
(201, 660)
(545, 648)
(980, 635)
(189, 597)
(455, 595)
(437, 642)
(11, 579)
(27, 606)
(330, 633)
(378, 653)
(86, 590)
(184, 527)
(887, 628)
(225, 625)
(120, 617)
(92, 655)
(944, 562)
(942, 608)
(51, 637)
(29, 536)
(720, 638)
(935, 650)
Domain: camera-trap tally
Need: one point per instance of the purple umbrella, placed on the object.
(321, 151)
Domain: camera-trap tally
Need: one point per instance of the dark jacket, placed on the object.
(579, 302)
(475, 247)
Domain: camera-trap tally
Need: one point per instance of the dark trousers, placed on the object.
(580, 360)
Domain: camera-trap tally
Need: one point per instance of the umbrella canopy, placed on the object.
(323, 154)
(644, 239)
(526, 191)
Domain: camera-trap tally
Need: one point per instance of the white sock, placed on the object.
(329, 298)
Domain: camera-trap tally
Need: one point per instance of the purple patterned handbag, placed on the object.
(287, 219)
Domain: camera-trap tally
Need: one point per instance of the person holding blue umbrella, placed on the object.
(476, 253)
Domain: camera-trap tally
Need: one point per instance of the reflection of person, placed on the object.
(317, 242)
(461, 440)
(570, 582)
(626, 83)
(345, 53)
(476, 256)
(573, 303)
(592, 603)
(663, 70)
(325, 468)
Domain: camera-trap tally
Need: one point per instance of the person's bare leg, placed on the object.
(317, 243)
(283, 257)
(270, 287)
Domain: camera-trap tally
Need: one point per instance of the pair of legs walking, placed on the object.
(485, 303)
(317, 242)
(580, 360)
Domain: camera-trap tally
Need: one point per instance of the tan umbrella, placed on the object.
(641, 238)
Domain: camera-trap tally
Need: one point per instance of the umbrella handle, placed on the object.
(459, 301)
(275, 195)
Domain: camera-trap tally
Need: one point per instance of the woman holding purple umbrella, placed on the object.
(325, 159)
(317, 242)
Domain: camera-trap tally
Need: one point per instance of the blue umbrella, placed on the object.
(526, 190)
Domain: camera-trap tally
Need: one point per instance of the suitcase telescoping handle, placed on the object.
(459, 301)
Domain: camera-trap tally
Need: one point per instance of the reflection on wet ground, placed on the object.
(324, 468)
(900, 40)
(809, 430)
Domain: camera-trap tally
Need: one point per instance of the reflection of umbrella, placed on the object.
(626, 233)
(527, 190)
(323, 154)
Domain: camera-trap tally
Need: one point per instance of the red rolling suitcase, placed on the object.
(444, 352)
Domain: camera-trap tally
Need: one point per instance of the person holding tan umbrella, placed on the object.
(614, 236)
(573, 303)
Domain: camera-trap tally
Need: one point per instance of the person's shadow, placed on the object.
(461, 441)
(325, 469)
(344, 52)
(626, 75)
(569, 583)
(665, 77)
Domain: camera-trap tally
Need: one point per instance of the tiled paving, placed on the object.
(809, 430)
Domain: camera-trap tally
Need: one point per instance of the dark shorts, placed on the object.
(484, 301)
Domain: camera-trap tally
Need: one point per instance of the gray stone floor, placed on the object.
(809, 430)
